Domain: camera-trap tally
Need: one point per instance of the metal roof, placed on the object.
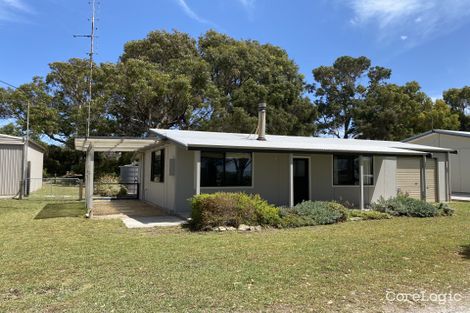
(196, 140)
(113, 144)
(15, 140)
(458, 133)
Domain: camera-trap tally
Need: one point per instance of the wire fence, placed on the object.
(54, 189)
(71, 189)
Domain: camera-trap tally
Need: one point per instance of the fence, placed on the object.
(116, 190)
(54, 189)
(73, 189)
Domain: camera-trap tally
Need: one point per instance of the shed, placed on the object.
(459, 163)
(12, 152)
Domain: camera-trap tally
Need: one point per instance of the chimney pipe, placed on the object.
(262, 121)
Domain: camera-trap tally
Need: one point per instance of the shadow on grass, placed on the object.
(465, 252)
(64, 209)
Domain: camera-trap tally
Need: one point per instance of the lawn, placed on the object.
(74, 264)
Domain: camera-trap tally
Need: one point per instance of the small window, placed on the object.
(157, 170)
(346, 170)
(226, 169)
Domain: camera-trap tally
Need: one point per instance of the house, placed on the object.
(460, 162)
(284, 170)
(12, 156)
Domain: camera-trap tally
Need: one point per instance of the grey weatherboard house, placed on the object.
(284, 170)
(460, 162)
(12, 152)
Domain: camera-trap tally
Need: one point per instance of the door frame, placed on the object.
(309, 161)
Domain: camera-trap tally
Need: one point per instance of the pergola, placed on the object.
(105, 144)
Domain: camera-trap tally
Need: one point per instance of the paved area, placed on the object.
(460, 196)
(152, 221)
(134, 213)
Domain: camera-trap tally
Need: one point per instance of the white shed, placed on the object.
(11, 165)
(459, 163)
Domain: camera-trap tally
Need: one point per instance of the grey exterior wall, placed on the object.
(459, 163)
(36, 159)
(11, 158)
(270, 179)
(161, 194)
(10, 169)
(322, 181)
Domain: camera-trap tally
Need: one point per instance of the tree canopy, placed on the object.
(355, 99)
(215, 82)
(459, 101)
(341, 89)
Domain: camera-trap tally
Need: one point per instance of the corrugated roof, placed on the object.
(15, 140)
(458, 133)
(215, 140)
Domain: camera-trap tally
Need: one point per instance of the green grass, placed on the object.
(54, 210)
(80, 265)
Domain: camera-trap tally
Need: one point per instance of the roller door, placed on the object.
(408, 176)
(431, 180)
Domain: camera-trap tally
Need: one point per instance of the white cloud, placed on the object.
(12, 10)
(403, 37)
(189, 12)
(419, 19)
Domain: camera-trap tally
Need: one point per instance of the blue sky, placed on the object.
(427, 41)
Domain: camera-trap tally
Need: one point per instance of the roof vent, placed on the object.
(261, 121)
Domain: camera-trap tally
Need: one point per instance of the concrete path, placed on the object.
(134, 213)
(152, 221)
(460, 196)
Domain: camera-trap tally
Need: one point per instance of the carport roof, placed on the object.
(197, 140)
(113, 144)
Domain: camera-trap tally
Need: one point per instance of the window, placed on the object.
(157, 169)
(346, 170)
(226, 169)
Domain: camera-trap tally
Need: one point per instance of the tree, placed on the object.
(11, 129)
(341, 89)
(5, 111)
(393, 112)
(246, 73)
(42, 116)
(144, 97)
(161, 48)
(459, 101)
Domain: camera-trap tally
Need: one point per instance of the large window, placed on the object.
(157, 169)
(346, 170)
(226, 169)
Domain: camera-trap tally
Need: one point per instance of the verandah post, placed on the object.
(361, 182)
(197, 172)
(89, 171)
(291, 180)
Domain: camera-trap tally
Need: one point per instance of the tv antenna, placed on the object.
(91, 53)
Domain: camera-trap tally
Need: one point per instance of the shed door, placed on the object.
(408, 176)
(431, 180)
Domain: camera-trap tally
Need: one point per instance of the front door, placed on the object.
(301, 180)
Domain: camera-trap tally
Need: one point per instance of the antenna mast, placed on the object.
(90, 54)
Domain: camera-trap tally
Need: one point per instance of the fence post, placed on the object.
(80, 189)
(20, 196)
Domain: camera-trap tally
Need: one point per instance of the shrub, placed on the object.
(310, 213)
(231, 209)
(369, 215)
(108, 186)
(444, 209)
(403, 205)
